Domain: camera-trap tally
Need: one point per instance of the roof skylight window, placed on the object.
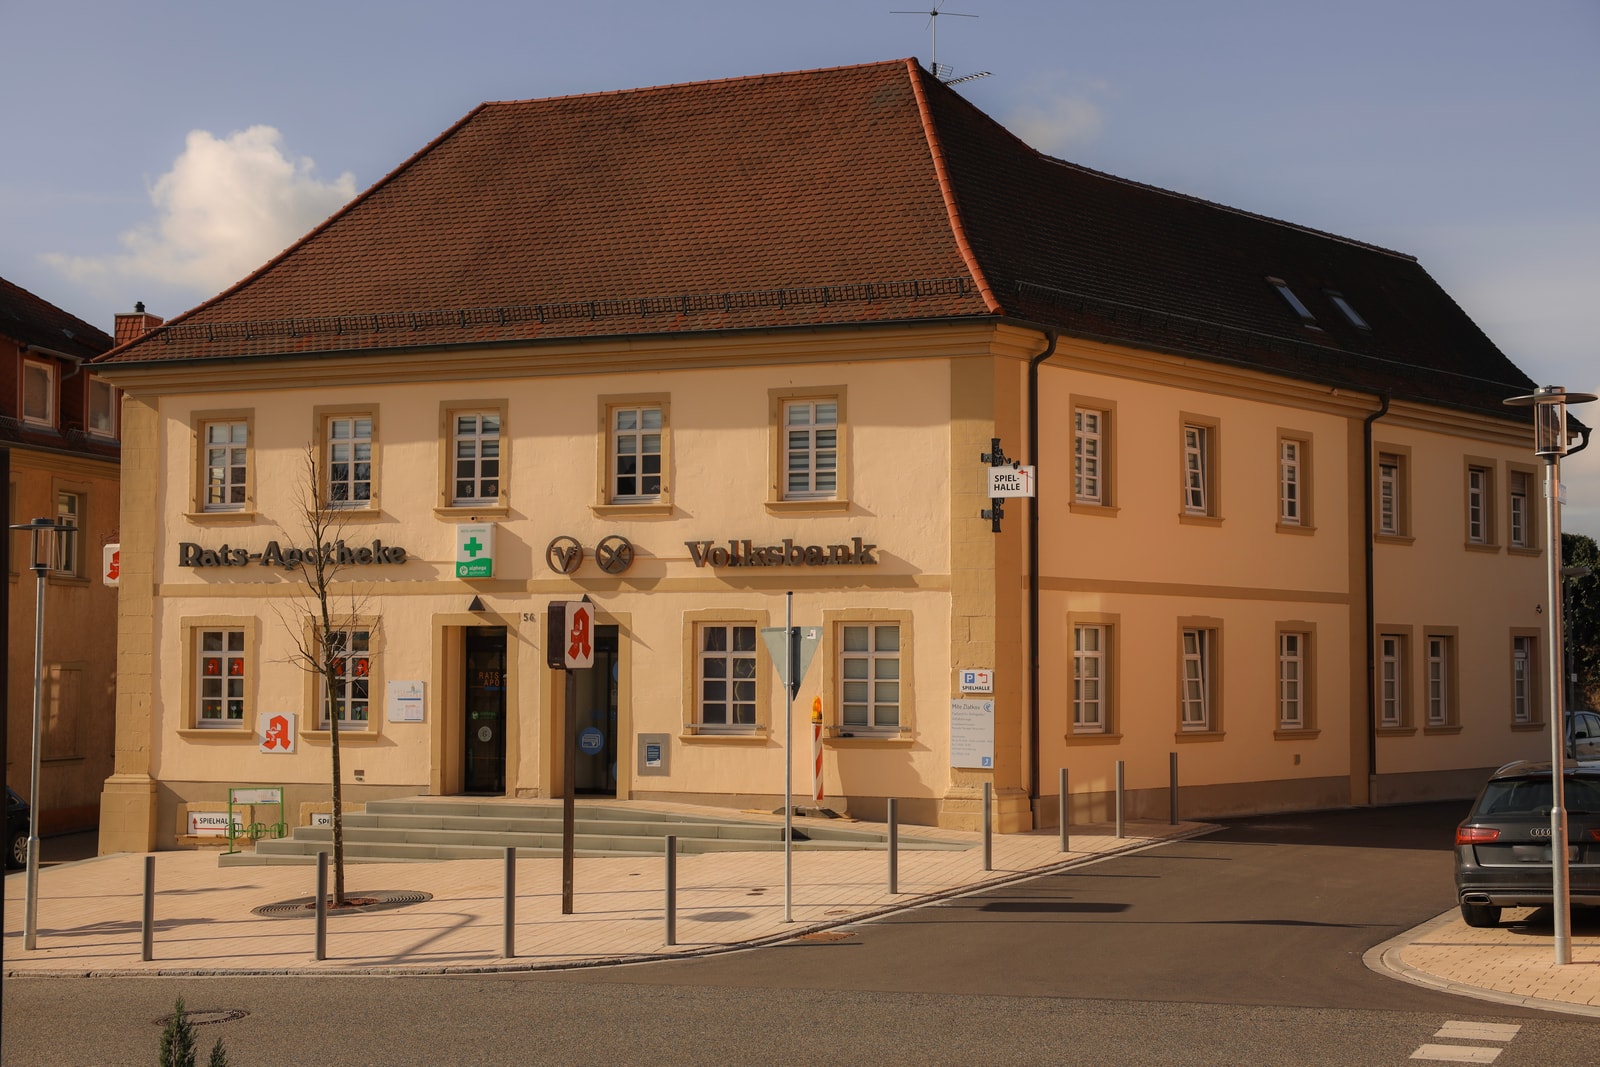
(1349, 312)
(1292, 300)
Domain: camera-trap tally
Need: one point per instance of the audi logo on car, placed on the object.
(1539, 831)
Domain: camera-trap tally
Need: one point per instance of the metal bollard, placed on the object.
(148, 926)
(322, 905)
(1172, 791)
(510, 948)
(672, 889)
(1121, 823)
(1063, 815)
(894, 846)
(988, 833)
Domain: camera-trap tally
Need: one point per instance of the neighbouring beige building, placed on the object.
(686, 350)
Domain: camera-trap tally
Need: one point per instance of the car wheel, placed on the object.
(17, 849)
(1481, 916)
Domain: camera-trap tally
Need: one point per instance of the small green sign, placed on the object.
(475, 550)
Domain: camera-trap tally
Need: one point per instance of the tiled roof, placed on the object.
(33, 321)
(861, 194)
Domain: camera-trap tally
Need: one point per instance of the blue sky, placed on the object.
(161, 150)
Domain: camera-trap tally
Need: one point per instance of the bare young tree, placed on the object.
(325, 650)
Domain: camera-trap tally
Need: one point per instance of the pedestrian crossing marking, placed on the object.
(1460, 1031)
(1457, 1053)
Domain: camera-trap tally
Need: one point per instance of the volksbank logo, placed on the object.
(748, 554)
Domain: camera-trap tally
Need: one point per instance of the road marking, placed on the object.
(1460, 1031)
(1457, 1053)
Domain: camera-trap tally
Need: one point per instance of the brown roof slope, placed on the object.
(1101, 256)
(34, 321)
(781, 200)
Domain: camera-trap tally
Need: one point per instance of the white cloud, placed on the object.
(225, 208)
(1057, 123)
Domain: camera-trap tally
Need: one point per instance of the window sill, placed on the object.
(220, 518)
(1482, 546)
(1443, 728)
(1524, 550)
(803, 507)
(692, 736)
(1300, 528)
(1088, 738)
(1193, 736)
(58, 578)
(1302, 733)
(899, 739)
(1105, 511)
(367, 514)
(234, 733)
(1396, 731)
(358, 736)
(643, 509)
(472, 512)
(1527, 727)
(1188, 518)
(1393, 539)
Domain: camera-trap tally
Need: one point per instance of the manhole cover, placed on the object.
(355, 904)
(207, 1016)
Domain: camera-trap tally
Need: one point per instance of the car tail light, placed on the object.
(1594, 834)
(1475, 835)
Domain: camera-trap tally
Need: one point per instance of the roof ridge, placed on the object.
(1352, 241)
(769, 76)
(947, 192)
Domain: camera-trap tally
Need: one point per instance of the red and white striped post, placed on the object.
(816, 750)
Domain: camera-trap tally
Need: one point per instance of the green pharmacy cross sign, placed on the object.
(475, 550)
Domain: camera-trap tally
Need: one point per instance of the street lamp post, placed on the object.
(42, 558)
(1549, 405)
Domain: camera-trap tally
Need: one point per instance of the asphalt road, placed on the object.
(1243, 947)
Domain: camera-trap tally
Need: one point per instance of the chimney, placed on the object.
(140, 322)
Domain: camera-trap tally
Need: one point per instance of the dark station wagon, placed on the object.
(1503, 846)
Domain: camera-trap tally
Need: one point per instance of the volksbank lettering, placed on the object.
(788, 554)
(337, 553)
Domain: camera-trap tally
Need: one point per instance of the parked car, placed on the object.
(1583, 735)
(1503, 845)
(17, 824)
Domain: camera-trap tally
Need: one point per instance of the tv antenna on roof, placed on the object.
(933, 24)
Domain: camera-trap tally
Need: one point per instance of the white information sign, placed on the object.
(972, 733)
(403, 701)
(275, 733)
(270, 794)
(1010, 481)
(213, 823)
(475, 550)
(977, 681)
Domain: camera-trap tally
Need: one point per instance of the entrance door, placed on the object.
(485, 707)
(597, 718)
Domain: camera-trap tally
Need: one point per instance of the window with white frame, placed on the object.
(1478, 489)
(1522, 680)
(1391, 487)
(636, 437)
(225, 465)
(1090, 696)
(1521, 529)
(475, 448)
(103, 402)
(220, 678)
(1088, 453)
(68, 559)
(352, 670)
(1291, 680)
(810, 449)
(869, 671)
(1196, 460)
(38, 393)
(349, 461)
(1289, 481)
(1440, 653)
(727, 668)
(1391, 680)
(1195, 699)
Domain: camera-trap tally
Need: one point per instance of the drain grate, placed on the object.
(355, 904)
(825, 935)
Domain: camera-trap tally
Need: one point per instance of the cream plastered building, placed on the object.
(1283, 527)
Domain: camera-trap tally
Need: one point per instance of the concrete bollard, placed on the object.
(1172, 791)
(988, 826)
(509, 950)
(672, 889)
(894, 846)
(322, 905)
(1062, 793)
(1121, 822)
(148, 925)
